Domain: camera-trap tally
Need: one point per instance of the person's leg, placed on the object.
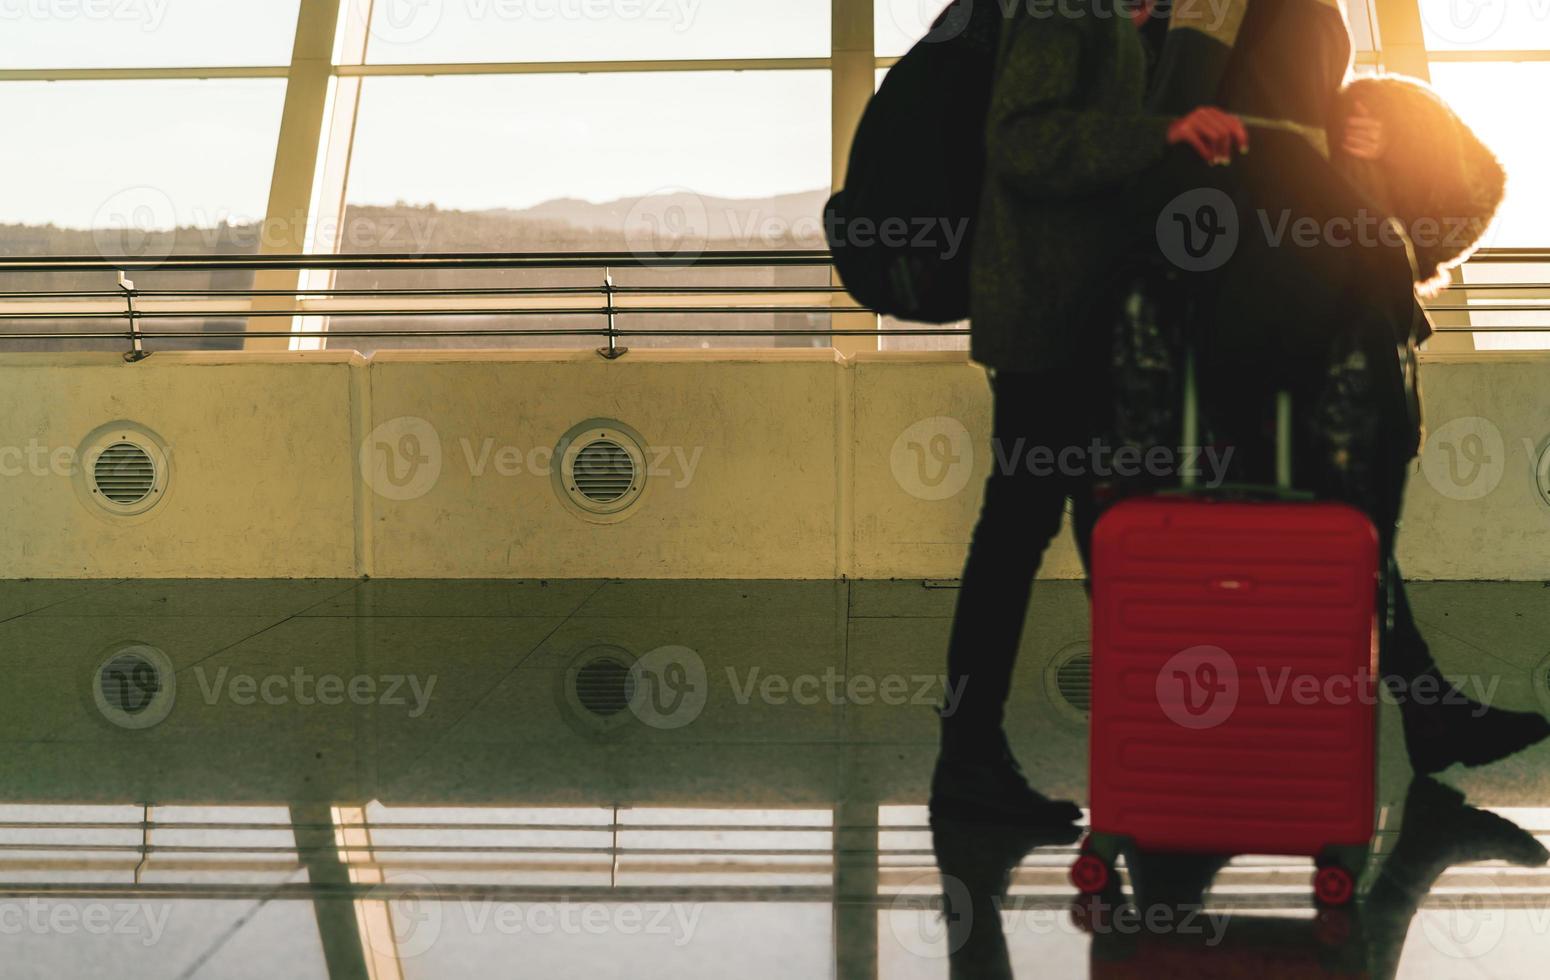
(1363, 444)
(1021, 513)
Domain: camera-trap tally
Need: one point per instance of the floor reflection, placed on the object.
(511, 779)
(1179, 915)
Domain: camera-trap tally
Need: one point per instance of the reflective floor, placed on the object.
(658, 779)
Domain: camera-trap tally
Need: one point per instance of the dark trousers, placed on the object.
(1041, 433)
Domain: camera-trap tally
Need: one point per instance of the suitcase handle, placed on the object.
(1191, 426)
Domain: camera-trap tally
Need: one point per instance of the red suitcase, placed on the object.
(1234, 647)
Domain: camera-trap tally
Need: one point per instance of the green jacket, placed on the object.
(1066, 132)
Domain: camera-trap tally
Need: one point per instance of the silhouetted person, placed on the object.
(1337, 323)
(1065, 133)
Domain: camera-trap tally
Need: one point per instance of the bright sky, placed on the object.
(203, 150)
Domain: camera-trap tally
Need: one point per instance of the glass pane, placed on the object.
(1480, 93)
(1483, 318)
(1486, 25)
(898, 24)
(146, 33)
(1360, 14)
(525, 163)
(193, 178)
(202, 152)
(419, 32)
(577, 149)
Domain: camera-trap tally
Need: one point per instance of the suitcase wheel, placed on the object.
(1333, 886)
(1090, 874)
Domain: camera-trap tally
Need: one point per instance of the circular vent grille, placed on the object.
(596, 688)
(129, 683)
(123, 470)
(602, 471)
(1074, 682)
(604, 687)
(125, 474)
(134, 686)
(1068, 681)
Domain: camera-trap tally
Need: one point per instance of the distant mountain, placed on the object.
(653, 223)
(786, 215)
(675, 224)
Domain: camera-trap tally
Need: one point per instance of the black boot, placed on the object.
(1454, 729)
(978, 781)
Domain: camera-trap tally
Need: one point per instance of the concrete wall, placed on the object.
(262, 478)
(765, 465)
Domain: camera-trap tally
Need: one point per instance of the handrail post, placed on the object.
(137, 351)
(613, 351)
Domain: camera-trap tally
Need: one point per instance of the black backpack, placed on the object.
(901, 227)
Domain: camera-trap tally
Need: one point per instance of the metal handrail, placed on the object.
(143, 307)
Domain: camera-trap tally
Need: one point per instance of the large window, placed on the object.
(520, 153)
(136, 168)
(62, 34)
(1489, 60)
(641, 126)
(596, 30)
(87, 156)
